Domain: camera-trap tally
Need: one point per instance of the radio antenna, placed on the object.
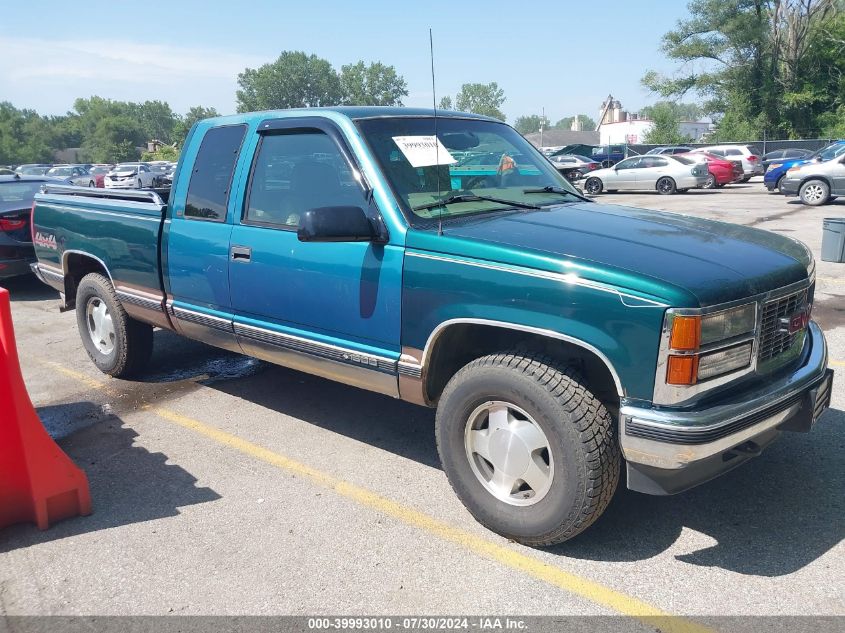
(436, 142)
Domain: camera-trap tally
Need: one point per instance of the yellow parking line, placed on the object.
(597, 593)
(837, 363)
(832, 280)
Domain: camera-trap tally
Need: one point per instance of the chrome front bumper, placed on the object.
(668, 450)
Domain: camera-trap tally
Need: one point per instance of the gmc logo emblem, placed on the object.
(796, 322)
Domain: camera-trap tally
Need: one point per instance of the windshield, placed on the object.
(830, 152)
(18, 195)
(495, 162)
(682, 159)
(33, 171)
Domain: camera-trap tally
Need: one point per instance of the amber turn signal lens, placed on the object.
(682, 370)
(686, 333)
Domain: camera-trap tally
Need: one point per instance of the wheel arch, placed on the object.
(75, 265)
(823, 178)
(456, 342)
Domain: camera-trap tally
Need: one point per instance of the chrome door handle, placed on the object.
(240, 253)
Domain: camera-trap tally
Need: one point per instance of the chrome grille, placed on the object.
(773, 339)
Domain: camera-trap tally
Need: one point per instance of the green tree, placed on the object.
(446, 103)
(767, 66)
(683, 111)
(25, 137)
(157, 120)
(529, 123)
(373, 84)
(486, 99)
(115, 139)
(587, 123)
(185, 123)
(294, 80)
(165, 152)
(666, 129)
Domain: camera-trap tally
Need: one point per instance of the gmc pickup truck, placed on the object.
(558, 338)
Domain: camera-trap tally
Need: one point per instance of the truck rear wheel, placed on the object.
(528, 449)
(119, 345)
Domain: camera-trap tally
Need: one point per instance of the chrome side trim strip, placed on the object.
(412, 370)
(316, 348)
(46, 273)
(432, 339)
(199, 318)
(137, 299)
(568, 278)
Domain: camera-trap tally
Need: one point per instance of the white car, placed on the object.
(129, 176)
(75, 174)
(748, 155)
(665, 174)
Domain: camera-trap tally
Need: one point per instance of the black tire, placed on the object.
(666, 186)
(745, 179)
(581, 439)
(814, 192)
(778, 183)
(140, 184)
(91, 183)
(593, 186)
(131, 341)
(711, 182)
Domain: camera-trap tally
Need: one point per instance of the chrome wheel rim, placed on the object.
(664, 185)
(509, 453)
(711, 182)
(100, 325)
(813, 192)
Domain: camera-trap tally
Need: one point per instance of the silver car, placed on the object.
(665, 174)
(75, 174)
(815, 183)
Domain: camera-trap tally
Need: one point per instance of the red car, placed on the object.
(99, 172)
(722, 171)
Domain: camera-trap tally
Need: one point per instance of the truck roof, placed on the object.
(352, 112)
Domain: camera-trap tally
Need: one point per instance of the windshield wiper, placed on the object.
(471, 197)
(557, 190)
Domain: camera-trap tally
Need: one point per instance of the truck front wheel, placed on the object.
(119, 345)
(528, 449)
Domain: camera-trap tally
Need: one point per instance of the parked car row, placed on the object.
(135, 175)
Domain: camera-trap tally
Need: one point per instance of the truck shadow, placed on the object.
(128, 483)
(28, 288)
(770, 517)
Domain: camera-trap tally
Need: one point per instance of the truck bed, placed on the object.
(119, 229)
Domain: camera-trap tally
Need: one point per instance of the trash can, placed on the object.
(833, 240)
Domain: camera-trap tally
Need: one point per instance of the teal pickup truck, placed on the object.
(558, 338)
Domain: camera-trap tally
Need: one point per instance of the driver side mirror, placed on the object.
(336, 224)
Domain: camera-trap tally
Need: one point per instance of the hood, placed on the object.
(679, 258)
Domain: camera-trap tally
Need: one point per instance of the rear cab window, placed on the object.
(211, 178)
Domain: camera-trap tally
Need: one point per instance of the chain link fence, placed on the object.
(763, 146)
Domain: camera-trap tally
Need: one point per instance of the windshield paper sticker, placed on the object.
(424, 151)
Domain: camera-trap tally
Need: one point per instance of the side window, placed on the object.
(733, 152)
(295, 172)
(211, 179)
(631, 163)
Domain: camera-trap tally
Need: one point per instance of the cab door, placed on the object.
(329, 308)
(196, 243)
(624, 174)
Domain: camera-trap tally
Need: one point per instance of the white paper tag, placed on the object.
(424, 151)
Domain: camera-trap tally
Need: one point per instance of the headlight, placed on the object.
(698, 339)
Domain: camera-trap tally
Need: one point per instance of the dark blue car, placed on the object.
(777, 170)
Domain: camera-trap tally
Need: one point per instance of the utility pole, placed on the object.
(542, 125)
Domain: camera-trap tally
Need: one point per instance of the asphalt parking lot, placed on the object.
(225, 485)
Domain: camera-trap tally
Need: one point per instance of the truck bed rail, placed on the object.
(130, 195)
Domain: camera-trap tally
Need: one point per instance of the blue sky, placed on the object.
(565, 56)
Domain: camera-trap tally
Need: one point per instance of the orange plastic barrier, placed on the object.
(38, 482)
